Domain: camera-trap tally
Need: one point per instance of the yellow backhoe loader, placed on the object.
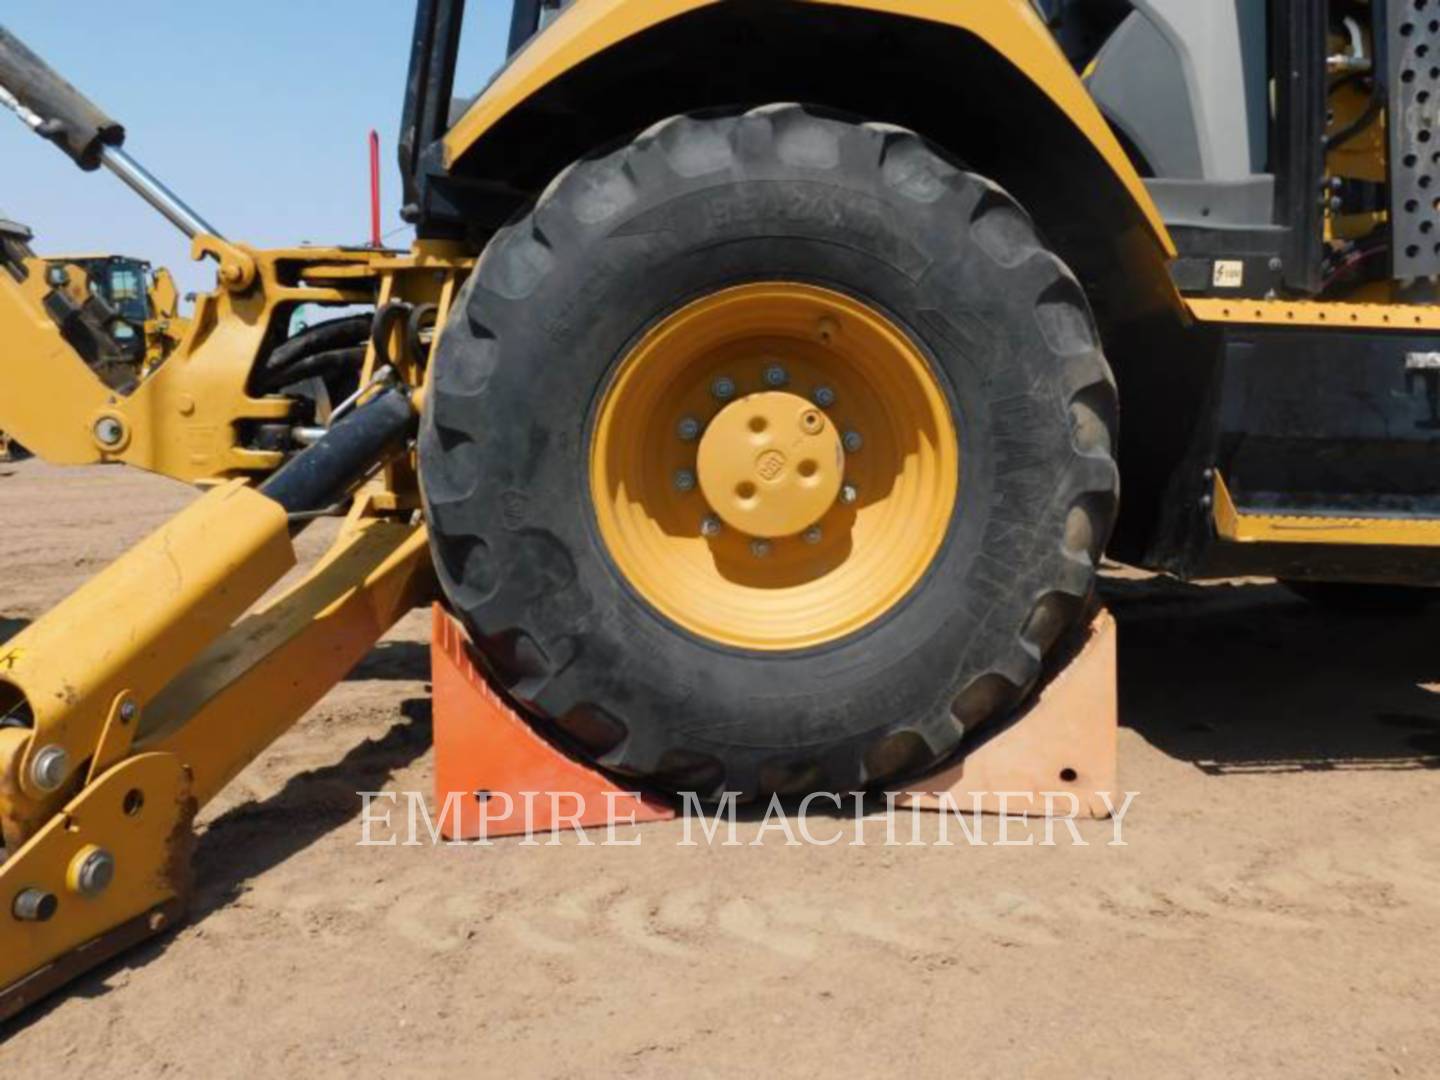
(751, 392)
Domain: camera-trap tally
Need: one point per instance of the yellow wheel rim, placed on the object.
(774, 466)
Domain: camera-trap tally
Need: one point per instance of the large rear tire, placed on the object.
(608, 594)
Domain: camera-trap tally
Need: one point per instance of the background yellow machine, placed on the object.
(751, 392)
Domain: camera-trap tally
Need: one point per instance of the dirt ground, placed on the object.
(1275, 911)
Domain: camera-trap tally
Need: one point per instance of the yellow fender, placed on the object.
(1010, 27)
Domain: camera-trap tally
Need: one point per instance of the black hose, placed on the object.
(1364, 120)
(322, 337)
(317, 365)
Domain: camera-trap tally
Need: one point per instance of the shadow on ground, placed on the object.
(10, 627)
(394, 660)
(1248, 677)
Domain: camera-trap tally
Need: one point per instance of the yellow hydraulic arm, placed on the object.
(125, 709)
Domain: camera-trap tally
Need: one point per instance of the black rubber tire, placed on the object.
(1353, 598)
(619, 241)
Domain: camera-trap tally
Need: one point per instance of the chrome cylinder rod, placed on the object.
(143, 183)
(135, 176)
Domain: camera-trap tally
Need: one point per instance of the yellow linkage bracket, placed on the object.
(134, 701)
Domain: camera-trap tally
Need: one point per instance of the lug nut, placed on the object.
(50, 767)
(723, 388)
(776, 376)
(684, 480)
(823, 396)
(710, 527)
(34, 905)
(852, 442)
(849, 494)
(688, 429)
(813, 535)
(93, 871)
(760, 548)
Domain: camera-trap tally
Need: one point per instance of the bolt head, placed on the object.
(760, 548)
(128, 711)
(684, 480)
(688, 429)
(34, 905)
(50, 767)
(823, 396)
(710, 527)
(723, 388)
(95, 872)
(849, 494)
(814, 535)
(776, 376)
(853, 442)
(109, 431)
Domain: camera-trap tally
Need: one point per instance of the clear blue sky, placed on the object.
(255, 113)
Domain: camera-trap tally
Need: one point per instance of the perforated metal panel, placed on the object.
(1413, 33)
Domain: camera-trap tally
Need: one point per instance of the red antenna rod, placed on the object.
(374, 188)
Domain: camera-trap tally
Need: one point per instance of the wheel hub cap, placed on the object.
(771, 465)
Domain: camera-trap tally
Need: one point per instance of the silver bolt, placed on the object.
(776, 376)
(34, 905)
(813, 535)
(711, 526)
(688, 429)
(760, 548)
(109, 431)
(723, 388)
(684, 480)
(823, 396)
(852, 442)
(849, 494)
(95, 873)
(50, 767)
(128, 712)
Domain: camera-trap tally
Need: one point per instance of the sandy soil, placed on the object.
(1275, 911)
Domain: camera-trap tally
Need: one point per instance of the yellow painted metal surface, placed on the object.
(132, 628)
(185, 418)
(1234, 524)
(794, 591)
(771, 464)
(1313, 313)
(254, 683)
(139, 812)
(1010, 27)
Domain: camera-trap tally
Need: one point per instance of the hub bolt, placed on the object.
(760, 548)
(710, 527)
(852, 442)
(823, 396)
(684, 480)
(723, 388)
(776, 376)
(813, 535)
(50, 767)
(688, 429)
(849, 494)
(34, 905)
